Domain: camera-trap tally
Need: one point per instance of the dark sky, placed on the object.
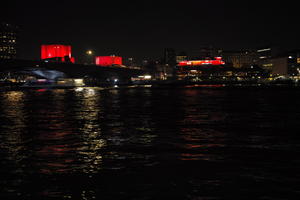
(142, 29)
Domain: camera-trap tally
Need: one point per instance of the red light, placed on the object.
(56, 51)
(108, 60)
(41, 90)
(218, 61)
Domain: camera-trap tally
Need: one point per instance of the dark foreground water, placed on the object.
(143, 143)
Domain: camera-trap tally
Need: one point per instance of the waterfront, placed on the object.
(150, 143)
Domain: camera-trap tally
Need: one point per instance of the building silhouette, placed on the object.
(239, 59)
(8, 41)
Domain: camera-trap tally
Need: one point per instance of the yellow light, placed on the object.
(78, 80)
(89, 52)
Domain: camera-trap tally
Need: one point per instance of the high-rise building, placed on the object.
(8, 41)
(265, 53)
(169, 62)
(170, 57)
(267, 56)
(286, 64)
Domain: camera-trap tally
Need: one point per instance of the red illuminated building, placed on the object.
(108, 60)
(217, 61)
(57, 52)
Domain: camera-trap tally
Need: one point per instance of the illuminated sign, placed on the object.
(217, 61)
(298, 60)
(108, 60)
(56, 51)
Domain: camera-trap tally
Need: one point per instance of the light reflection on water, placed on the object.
(143, 143)
(88, 114)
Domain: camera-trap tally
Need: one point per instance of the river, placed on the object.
(150, 143)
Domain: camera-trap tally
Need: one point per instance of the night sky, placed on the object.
(142, 29)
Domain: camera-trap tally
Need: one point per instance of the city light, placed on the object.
(262, 50)
(79, 82)
(79, 89)
(89, 52)
(147, 77)
(217, 61)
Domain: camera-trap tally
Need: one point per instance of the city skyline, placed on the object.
(143, 30)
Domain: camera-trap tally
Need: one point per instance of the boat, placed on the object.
(59, 83)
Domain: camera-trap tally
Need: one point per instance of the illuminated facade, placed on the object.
(108, 60)
(266, 55)
(217, 61)
(56, 52)
(287, 64)
(8, 41)
(197, 70)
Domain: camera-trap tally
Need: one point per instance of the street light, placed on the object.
(89, 56)
(89, 52)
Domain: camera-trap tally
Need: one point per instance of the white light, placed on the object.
(262, 50)
(116, 80)
(91, 92)
(80, 89)
(148, 77)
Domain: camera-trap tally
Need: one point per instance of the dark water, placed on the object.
(143, 143)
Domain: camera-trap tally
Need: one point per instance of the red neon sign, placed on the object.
(56, 51)
(108, 60)
(217, 61)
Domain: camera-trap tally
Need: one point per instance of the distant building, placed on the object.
(8, 41)
(216, 61)
(208, 52)
(169, 63)
(170, 57)
(108, 60)
(265, 53)
(239, 59)
(287, 64)
(294, 63)
(129, 62)
(202, 69)
(57, 53)
(181, 57)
